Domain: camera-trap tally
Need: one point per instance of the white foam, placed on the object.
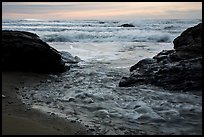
(109, 31)
(90, 92)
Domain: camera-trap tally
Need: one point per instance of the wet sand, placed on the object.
(19, 118)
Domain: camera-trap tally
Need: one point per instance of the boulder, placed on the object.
(178, 69)
(25, 51)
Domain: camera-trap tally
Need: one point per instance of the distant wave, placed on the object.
(102, 30)
(135, 36)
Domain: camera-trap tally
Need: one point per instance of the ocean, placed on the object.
(88, 93)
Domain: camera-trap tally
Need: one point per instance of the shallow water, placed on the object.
(89, 94)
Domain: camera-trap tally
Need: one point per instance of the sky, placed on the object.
(101, 10)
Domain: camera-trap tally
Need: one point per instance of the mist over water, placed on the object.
(89, 92)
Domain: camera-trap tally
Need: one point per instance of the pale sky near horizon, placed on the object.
(101, 10)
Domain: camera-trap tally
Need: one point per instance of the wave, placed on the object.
(123, 36)
(102, 30)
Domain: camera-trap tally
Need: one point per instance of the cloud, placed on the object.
(97, 10)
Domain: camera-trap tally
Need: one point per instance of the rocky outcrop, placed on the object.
(25, 51)
(189, 43)
(127, 25)
(178, 69)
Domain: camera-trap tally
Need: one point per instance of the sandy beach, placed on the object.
(19, 118)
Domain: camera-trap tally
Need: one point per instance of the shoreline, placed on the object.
(19, 118)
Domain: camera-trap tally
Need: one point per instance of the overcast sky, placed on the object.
(101, 10)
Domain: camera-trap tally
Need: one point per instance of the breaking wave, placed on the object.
(139, 36)
(102, 31)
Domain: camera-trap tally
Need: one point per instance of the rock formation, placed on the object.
(179, 69)
(127, 25)
(25, 51)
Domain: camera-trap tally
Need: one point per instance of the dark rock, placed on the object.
(48, 102)
(189, 42)
(179, 69)
(142, 63)
(16, 88)
(25, 51)
(101, 22)
(127, 25)
(126, 81)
